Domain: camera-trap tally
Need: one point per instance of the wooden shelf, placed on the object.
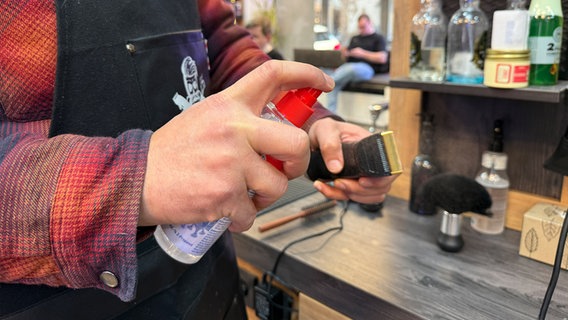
(550, 94)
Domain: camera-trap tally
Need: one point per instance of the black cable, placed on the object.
(556, 268)
(272, 274)
(315, 235)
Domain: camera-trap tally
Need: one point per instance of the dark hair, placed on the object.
(364, 16)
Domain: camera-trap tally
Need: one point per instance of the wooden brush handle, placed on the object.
(313, 209)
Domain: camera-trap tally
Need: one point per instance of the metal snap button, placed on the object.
(131, 48)
(109, 279)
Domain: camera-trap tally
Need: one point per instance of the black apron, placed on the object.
(122, 65)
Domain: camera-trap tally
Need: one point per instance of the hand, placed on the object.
(327, 135)
(203, 161)
(357, 53)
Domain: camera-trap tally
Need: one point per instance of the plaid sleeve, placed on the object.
(233, 53)
(70, 209)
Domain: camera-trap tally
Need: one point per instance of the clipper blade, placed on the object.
(374, 156)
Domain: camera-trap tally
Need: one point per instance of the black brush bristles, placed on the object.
(455, 194)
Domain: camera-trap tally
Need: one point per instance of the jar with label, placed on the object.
(507, 68)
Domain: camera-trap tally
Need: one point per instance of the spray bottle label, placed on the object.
(196, 239)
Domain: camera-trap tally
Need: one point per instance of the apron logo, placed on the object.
(194, 85)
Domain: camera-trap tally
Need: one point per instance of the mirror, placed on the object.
(339, 18)
(296, 20)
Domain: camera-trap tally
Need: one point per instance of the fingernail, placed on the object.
(330, 81)
(318, 185)
(334, 166)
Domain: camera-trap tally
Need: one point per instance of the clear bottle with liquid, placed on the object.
(467, 42)
(423, 166)
(428, 42)
(545, 41)
(493, 176)
(187, 243)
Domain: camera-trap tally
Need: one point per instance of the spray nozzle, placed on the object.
(296, 106)
(308, 96)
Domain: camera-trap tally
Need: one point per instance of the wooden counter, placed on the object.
(388, 266)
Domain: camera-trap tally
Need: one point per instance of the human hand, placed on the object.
(202, 163)
(328, 135)
(357, 53)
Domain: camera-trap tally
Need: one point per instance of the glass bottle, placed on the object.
(428, 43)
(493, 176)
(467, 41)
(423, 167)
(545, 41)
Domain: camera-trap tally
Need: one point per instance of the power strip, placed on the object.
(271, 303)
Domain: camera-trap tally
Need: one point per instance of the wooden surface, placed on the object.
(388, 266)
(311, 309)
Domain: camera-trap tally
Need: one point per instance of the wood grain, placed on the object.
(389, 267)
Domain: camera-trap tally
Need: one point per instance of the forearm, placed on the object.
(378, 57)
(232, 52)
(71, 209)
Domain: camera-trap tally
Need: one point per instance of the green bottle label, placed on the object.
(545, 41)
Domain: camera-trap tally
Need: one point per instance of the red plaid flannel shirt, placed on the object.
(70, 203)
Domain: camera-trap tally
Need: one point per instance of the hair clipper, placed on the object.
(373, 156)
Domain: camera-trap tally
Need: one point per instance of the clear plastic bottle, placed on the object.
(493, 176)
(187, 243)
(423, 166)
(428, 43)
(510, 29)
(467, 42)
(545, 41)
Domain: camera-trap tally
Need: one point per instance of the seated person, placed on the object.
(365, 56)
(261, 32)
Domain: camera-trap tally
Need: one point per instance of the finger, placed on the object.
(328, 135)
(269, 79)
(282, 142)
(329, 144)
(329, 191)
(336, 193)
(266, 184)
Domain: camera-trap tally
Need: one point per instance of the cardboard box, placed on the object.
(541, 232)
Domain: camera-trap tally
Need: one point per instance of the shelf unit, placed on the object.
(406, 100)
(549, 94)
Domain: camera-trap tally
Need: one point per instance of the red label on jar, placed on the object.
(503, 73)
(521, 73)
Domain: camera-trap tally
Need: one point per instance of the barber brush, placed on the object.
(306, 211)
(454, 194)
(373, 156)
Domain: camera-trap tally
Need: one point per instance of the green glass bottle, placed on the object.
(545, 41)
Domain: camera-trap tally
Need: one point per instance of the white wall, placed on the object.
(353, 107)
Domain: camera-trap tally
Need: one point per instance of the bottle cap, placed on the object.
(494, 159)
(496, 144)
(296, 106)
